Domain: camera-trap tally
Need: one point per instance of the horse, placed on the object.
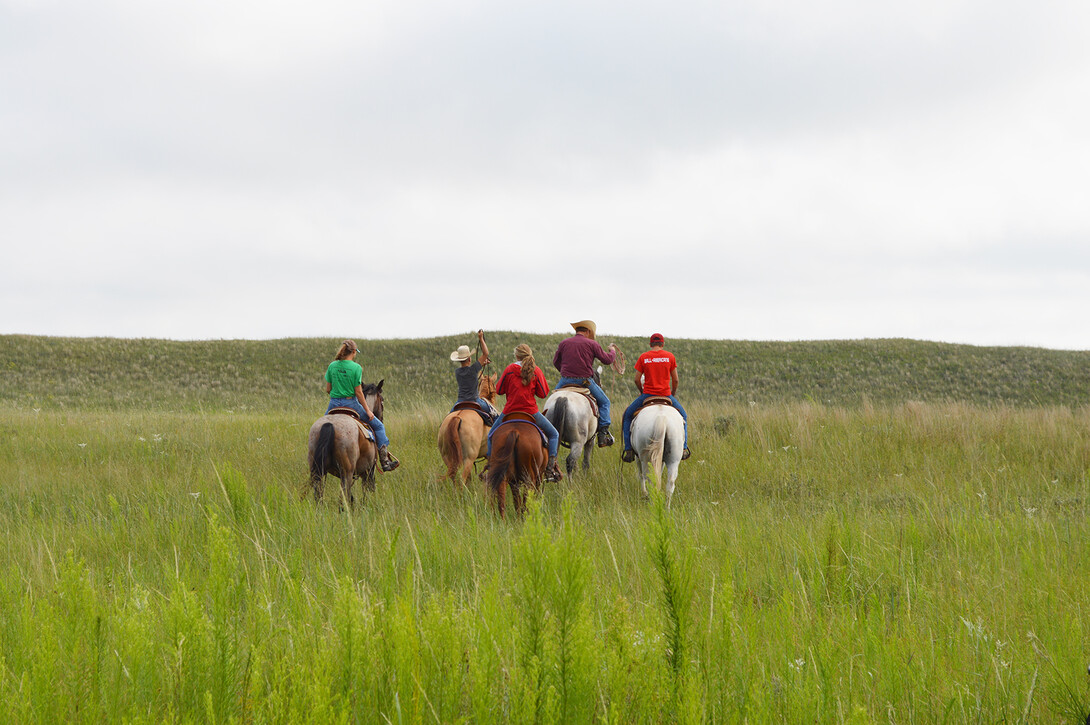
(463, 436)
(337, 444)
(658, 437)
(576, 421)
(518, 460)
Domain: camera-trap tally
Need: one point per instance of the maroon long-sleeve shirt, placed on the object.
(575, 355)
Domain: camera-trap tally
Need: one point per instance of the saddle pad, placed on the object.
(520, 418)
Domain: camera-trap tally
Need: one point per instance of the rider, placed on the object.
(343, 382)
(468, 373)
(656, 374)
(574, 359)
(522, 381)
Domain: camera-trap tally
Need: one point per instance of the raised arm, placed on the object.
(484, 358)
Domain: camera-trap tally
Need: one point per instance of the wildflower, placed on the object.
(82, 445)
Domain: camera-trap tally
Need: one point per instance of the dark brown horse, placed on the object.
(463, 434)
(339, 444)
(518, 460)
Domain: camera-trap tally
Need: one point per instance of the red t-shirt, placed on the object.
(656, 366)
(520, 398)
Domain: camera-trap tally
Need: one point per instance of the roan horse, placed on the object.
(338, 445)
(576, 422)
(658, 437)
(463, 436)
(518, 460)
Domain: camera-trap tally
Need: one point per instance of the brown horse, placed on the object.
(518, 459)
(463, 436)
(338, 444)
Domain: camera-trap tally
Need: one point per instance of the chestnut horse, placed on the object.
(463, 436)
(339, 445)
(518, 460)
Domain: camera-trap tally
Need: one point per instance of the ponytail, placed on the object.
(525, 355)
(347, 348)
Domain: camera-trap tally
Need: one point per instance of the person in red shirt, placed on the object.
(522, 382)
(656, 374)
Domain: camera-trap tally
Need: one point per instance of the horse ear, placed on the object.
(378, 388)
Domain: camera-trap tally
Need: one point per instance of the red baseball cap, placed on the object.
(657, 338)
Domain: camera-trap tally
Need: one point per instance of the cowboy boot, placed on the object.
(628, 455)
(388, 462)
(604, 438)
(552, 471)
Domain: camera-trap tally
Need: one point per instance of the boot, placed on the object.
(388, 462)
(604, 438)
(685, 454)
(552, 471)
(628, 455)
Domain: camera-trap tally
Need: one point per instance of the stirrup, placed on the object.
(628, 455)
(685, 453)
(605, 438)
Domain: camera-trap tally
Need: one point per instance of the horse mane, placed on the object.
(486, 387)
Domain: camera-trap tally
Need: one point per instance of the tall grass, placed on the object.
(898, 563)
(833, 553)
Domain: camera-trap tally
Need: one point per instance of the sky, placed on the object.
(762, 170)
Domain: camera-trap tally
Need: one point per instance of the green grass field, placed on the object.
(879, 531)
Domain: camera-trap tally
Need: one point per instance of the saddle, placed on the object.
(364, 428)
(585, 392)
(488, 418)
(520, 418)
(653, 400)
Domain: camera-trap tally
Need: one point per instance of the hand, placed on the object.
(480, 334)
(612, 346)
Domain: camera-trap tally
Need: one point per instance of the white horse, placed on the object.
(576, 423)
(658, 438)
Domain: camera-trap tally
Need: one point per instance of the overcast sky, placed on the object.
(776, 169)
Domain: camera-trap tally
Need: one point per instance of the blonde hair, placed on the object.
(525, 355)
(347, 348)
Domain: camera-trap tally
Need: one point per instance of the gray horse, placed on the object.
(576, 421)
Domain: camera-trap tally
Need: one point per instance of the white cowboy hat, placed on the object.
(462, 354)
(589, 324)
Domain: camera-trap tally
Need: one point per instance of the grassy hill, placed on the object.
(247, 374)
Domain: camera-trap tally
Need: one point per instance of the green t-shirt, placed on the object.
(344, 376)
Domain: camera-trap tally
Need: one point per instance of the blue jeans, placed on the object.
(375, 423)
(548, 428)
(630, 411)
(596, 392)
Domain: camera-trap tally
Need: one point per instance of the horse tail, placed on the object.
(454, 438)
(504, 456)
(323, 451)
(561, 417)
(656, 445)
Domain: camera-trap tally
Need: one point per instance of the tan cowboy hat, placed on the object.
(462, 354)
(589, 324)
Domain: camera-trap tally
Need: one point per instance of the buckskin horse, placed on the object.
(463, 435)
(518, 460)
(340, 444)
(658, 438)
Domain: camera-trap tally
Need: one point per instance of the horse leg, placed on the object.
(317, 483)
(577, 447)
(643, 479)
(346, 489)
(671, 477)
(501, 497)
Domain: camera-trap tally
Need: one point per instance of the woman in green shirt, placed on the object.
(344, 383)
